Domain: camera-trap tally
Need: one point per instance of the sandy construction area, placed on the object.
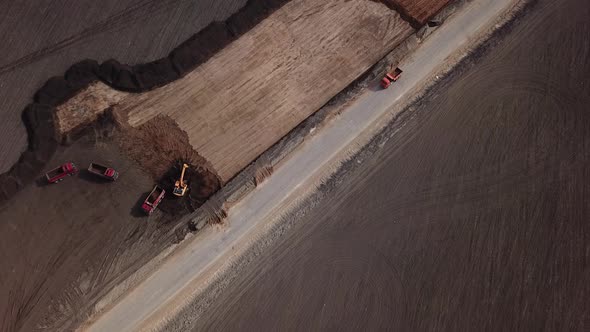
(256, 90)
(417, 12)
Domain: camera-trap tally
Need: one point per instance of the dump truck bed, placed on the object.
(55, 172)
(96, 168)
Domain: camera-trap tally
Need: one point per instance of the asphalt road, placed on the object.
(144, 305)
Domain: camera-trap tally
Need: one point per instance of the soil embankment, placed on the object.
(42, 39)
(39, 116)
(473, 216)
(93, 233)
(253, 92)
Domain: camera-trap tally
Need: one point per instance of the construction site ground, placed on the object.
(473, 216)
(256, 90)
(65, 245)
(42, 39)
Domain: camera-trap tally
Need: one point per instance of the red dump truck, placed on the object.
(153, 199)
(59, 173)
(104, 172)
(390, 78)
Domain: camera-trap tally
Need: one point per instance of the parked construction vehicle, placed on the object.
(153, 199)
(59, 173)
(104, 172)
(390, 78)
(180, 187)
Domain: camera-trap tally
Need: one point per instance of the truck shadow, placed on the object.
(136, 210)
(375, 86)
(41, 181)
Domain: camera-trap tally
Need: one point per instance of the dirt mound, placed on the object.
(38, 118)
(158, 144)
(160, 147)
(201, 186)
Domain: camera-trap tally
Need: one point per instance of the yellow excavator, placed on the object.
(180, 187)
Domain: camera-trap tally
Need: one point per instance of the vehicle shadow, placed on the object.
(41, 181)
(136, 210)
(375, 86)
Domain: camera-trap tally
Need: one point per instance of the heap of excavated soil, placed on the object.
(160, 147)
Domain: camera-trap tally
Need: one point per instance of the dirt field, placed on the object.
(92, 234)
(43, 38)
(63, 244)
(474, 216)
(417, 12)
(253, 92)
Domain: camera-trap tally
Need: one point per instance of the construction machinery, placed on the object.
(152, 200)
(104, 172)
(390, 78)
(59, 173)
(180, 187)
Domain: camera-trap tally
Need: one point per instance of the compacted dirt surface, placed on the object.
(63, 245)
(43, 38)
(474, 216)
(66, 245)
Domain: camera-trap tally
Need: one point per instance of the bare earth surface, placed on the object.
(63, 245)
(43, 38)
(253, 92)
(473, 217)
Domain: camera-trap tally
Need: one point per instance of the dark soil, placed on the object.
(416, 12)
(201, 186)
(42, 39)
(64, 245)
(137, 78)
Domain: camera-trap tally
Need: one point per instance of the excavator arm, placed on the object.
(184, 167)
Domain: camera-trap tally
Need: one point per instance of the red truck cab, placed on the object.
(153, 199)
(390, 78)
(59, 173)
